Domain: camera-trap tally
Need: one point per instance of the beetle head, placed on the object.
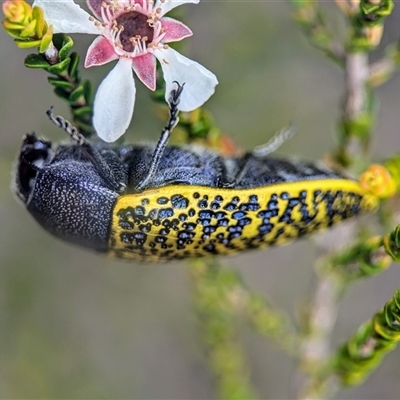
(33, 156)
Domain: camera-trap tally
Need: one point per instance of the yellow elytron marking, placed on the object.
(177, 222)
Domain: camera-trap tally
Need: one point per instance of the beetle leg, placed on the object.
(103, 168)
(165, 135)
(262, 151)
(241, 171)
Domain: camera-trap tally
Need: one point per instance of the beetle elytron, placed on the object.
(156, 203)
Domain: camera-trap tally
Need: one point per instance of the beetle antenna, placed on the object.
(67, 127)
(173, 100)
(275, 142)
(91, 152)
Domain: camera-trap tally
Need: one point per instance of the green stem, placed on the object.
(313, 22)
(358, 117)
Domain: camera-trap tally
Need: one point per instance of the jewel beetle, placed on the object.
(161, 202)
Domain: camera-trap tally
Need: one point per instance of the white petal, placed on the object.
(168, 5)
(66, 16)
(199, 82)
(114, 102)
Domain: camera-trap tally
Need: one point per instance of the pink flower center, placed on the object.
(134, 28)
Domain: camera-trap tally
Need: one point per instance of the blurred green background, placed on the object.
(74, 324)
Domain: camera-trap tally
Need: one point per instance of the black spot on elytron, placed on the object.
(209, 229)
(238, 215)
(307, 217)
(182, 217)
(196, 195)
(164, 232)
(235, 228)
(203, 203)
(220, 214)
(249, 207)
(179, 201)
(205, 197)
(146, 228)
(126, 224)
(272, 204)
(329, 199)
(265, 214)
(234, 235)
(160, 239)
(203, 221)
(174, 222)
(190, 226)
(265, 228)
(162, 200)
(206, 214)
(210, 248)
(230, 207)
(215, 205)
(184, 235)
(129, 217)
(166, 223)
(235, 200)
(140, 236)
(126, 237)
(137, 238)
(180, 244)
(145, 202)
(219, 198)
(284, 195)
(153, 213)
(165, 213)
(191, 212)
(223, 222)
(286, 216)
(139, 211)
(126, 218)
(244, 221)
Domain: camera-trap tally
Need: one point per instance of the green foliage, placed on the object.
(372, 341)
(27, 25)
(67, 81)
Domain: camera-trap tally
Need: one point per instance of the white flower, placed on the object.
(135, 32)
